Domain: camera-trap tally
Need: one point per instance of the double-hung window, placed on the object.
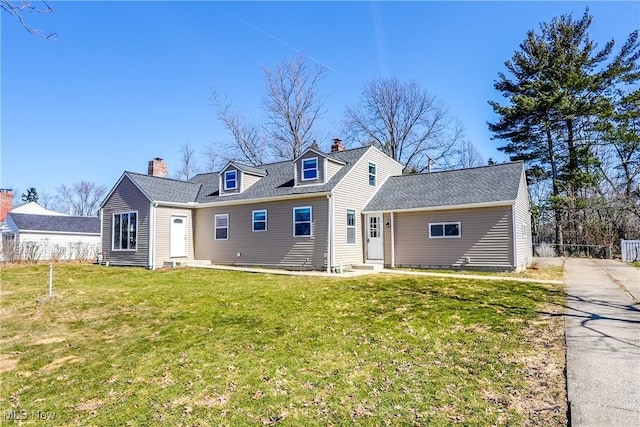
(302, 218)
(221, 227)
(444, 229)
(125, 231)
(351, 227)
(231, 180)
(372, 174)
(310, 169)
(259, 220)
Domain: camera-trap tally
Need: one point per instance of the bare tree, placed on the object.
(51, 201)
(82, 198)
(17, 9)
(248, 141)
(293, 105)
(405, 122)
(188, 164)
(468, 155)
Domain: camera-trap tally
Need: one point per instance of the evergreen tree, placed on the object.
(31, 195)
(558, 90)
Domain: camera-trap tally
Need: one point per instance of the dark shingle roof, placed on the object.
(166, 189)
(277, 182)
(496, 183)
(249, 169)
(69, 224)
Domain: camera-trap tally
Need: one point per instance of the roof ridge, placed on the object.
(160, 177)
(510, 163)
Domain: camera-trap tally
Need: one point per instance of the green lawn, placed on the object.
(121, 346)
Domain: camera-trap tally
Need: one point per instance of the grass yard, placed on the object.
(126, 346)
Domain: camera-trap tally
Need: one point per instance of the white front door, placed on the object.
(375, 249)
(178, 236)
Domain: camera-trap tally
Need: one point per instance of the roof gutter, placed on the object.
(252, 201)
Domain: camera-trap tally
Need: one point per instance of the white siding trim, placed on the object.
(514, 236)
(393, 243)
(152, 235)
(330, 234)
(325, 170)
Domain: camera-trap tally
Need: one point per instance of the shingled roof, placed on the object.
(277, 182)
(165, 189)
(56, 223)
(486, 184)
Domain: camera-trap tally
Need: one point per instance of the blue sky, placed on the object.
(128, 81)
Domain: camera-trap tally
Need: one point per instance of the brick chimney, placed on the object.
(6, 202)
(157, 167)
(337, 145)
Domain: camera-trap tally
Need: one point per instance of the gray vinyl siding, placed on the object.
(486, 239)
(354, 192)
(523, 222)
(163, 233)
(332, 169)
(320, 179)
(274, 247)
(126, 198)
(239, 178)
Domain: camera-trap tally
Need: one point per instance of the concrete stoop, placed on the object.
(187, 263)
(369, 267)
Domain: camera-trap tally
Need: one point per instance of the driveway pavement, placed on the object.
(603, 342)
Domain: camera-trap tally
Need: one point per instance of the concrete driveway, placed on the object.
(603, 342)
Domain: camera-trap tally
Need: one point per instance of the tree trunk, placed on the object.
(556, 191)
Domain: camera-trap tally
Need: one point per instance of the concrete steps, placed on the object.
(187, 263)
(368, 267)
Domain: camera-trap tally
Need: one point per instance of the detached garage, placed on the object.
(37, 237)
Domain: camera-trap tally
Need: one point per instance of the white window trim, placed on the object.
(113, 224)
(253, 221)
(224, 180)
(375, 174)
(523, 229)
(443, 224)
(354, 226)
(310, 221)
(302, 178)
(215, 226)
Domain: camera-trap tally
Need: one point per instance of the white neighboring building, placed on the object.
(33, 233)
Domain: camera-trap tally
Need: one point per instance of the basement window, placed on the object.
(439, 230)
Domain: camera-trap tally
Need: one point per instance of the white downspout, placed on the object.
(101, 233)
(515, 235)
(393, 244)
(152, 235)
(329, 232)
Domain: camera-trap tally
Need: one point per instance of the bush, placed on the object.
(545, 250)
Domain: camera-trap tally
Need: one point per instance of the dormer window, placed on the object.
(231, 180)
(310, 169)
